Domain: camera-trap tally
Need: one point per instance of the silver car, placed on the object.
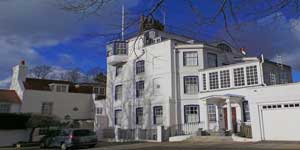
(70, 138)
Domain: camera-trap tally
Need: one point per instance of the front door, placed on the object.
(234, 124)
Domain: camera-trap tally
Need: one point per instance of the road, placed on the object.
(194, 146)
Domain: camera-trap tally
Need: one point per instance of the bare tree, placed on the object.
(40, 72)
(73, 75)
(97, 75)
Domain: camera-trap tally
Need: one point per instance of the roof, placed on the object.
(9, 96)
(43, 85)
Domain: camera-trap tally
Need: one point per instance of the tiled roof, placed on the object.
(9, 96)
(43, 85)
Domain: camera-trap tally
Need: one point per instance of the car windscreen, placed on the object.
(82, 133)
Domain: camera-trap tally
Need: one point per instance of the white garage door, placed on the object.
(281, 122)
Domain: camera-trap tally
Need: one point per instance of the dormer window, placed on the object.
(99, 90)
(59, 87)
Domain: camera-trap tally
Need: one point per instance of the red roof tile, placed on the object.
(9, 96)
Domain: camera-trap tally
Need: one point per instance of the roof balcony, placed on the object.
(117, 52)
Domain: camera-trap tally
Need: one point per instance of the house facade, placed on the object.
(64, 99)
(159, 78)
(9, 101)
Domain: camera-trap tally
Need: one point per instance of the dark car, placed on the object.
(71, 138)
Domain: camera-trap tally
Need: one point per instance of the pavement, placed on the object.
(190, 145)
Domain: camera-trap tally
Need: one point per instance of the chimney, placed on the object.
(20, 72)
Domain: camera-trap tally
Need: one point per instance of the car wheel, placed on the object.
(63, 146)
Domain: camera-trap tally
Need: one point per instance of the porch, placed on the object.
(229, 115)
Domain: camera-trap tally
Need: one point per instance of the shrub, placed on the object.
(10, 121)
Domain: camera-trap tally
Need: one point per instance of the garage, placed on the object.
(281, 122)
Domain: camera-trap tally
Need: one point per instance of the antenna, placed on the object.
(123, 21)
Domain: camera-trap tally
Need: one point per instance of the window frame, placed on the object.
(155, 115)
(190, 60)
(119, 69)
(139, 116)
(118, 120)
(225, 79)
(186, 115)
(187, 83)
(47, 108)
(118, 94)
(5, 107)
(213, 80)
(140, 89)
(215, 61)
(246, 111)
(140, 67)
(212, 113)
(239, 77)
(252, 75)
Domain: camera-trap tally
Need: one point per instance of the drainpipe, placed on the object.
(175, 84)
(261, 70)
(133, 79)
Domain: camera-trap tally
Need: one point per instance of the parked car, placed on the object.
(48, 138)
(70, 138)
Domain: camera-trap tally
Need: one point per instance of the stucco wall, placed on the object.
(63, 103)
(10, 137)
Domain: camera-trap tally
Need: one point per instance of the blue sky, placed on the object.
(42, 33)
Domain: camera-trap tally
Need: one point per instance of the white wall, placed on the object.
(10, 137)
(63, 103)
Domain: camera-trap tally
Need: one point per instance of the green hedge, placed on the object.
(9, 121)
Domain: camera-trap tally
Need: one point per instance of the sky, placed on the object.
(41, 32)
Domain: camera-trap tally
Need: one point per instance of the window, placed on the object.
(47, 108)
(118, 92)
(99, 90)
(283, 78)
(61, 88)
(140, 66)
(225, 78)
(273, 78)
(120, 48)
(158, 115)
(213, 80)
(204, 81)
(139, 89)
(4, 108)
(246, 111)
(239, 79)
(139, 116)
(118, 117)
(99, 110)
(251, 72)
(212, 60)
(190, 58)
(191, 113)
(118, 70)
(191, 84)
(211, 109)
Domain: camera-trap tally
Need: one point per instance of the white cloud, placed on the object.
(5, 83)
(29, 24)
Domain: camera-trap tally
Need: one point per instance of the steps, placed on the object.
(210, 139)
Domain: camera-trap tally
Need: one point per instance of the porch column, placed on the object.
(242, 111)
(206, 123)
(217, 116)
(229, 114)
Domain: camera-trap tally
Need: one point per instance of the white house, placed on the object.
(160, 78)
(64, 99)
(9, 101)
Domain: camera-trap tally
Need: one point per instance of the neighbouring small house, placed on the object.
(64, 99)
(9, 101)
